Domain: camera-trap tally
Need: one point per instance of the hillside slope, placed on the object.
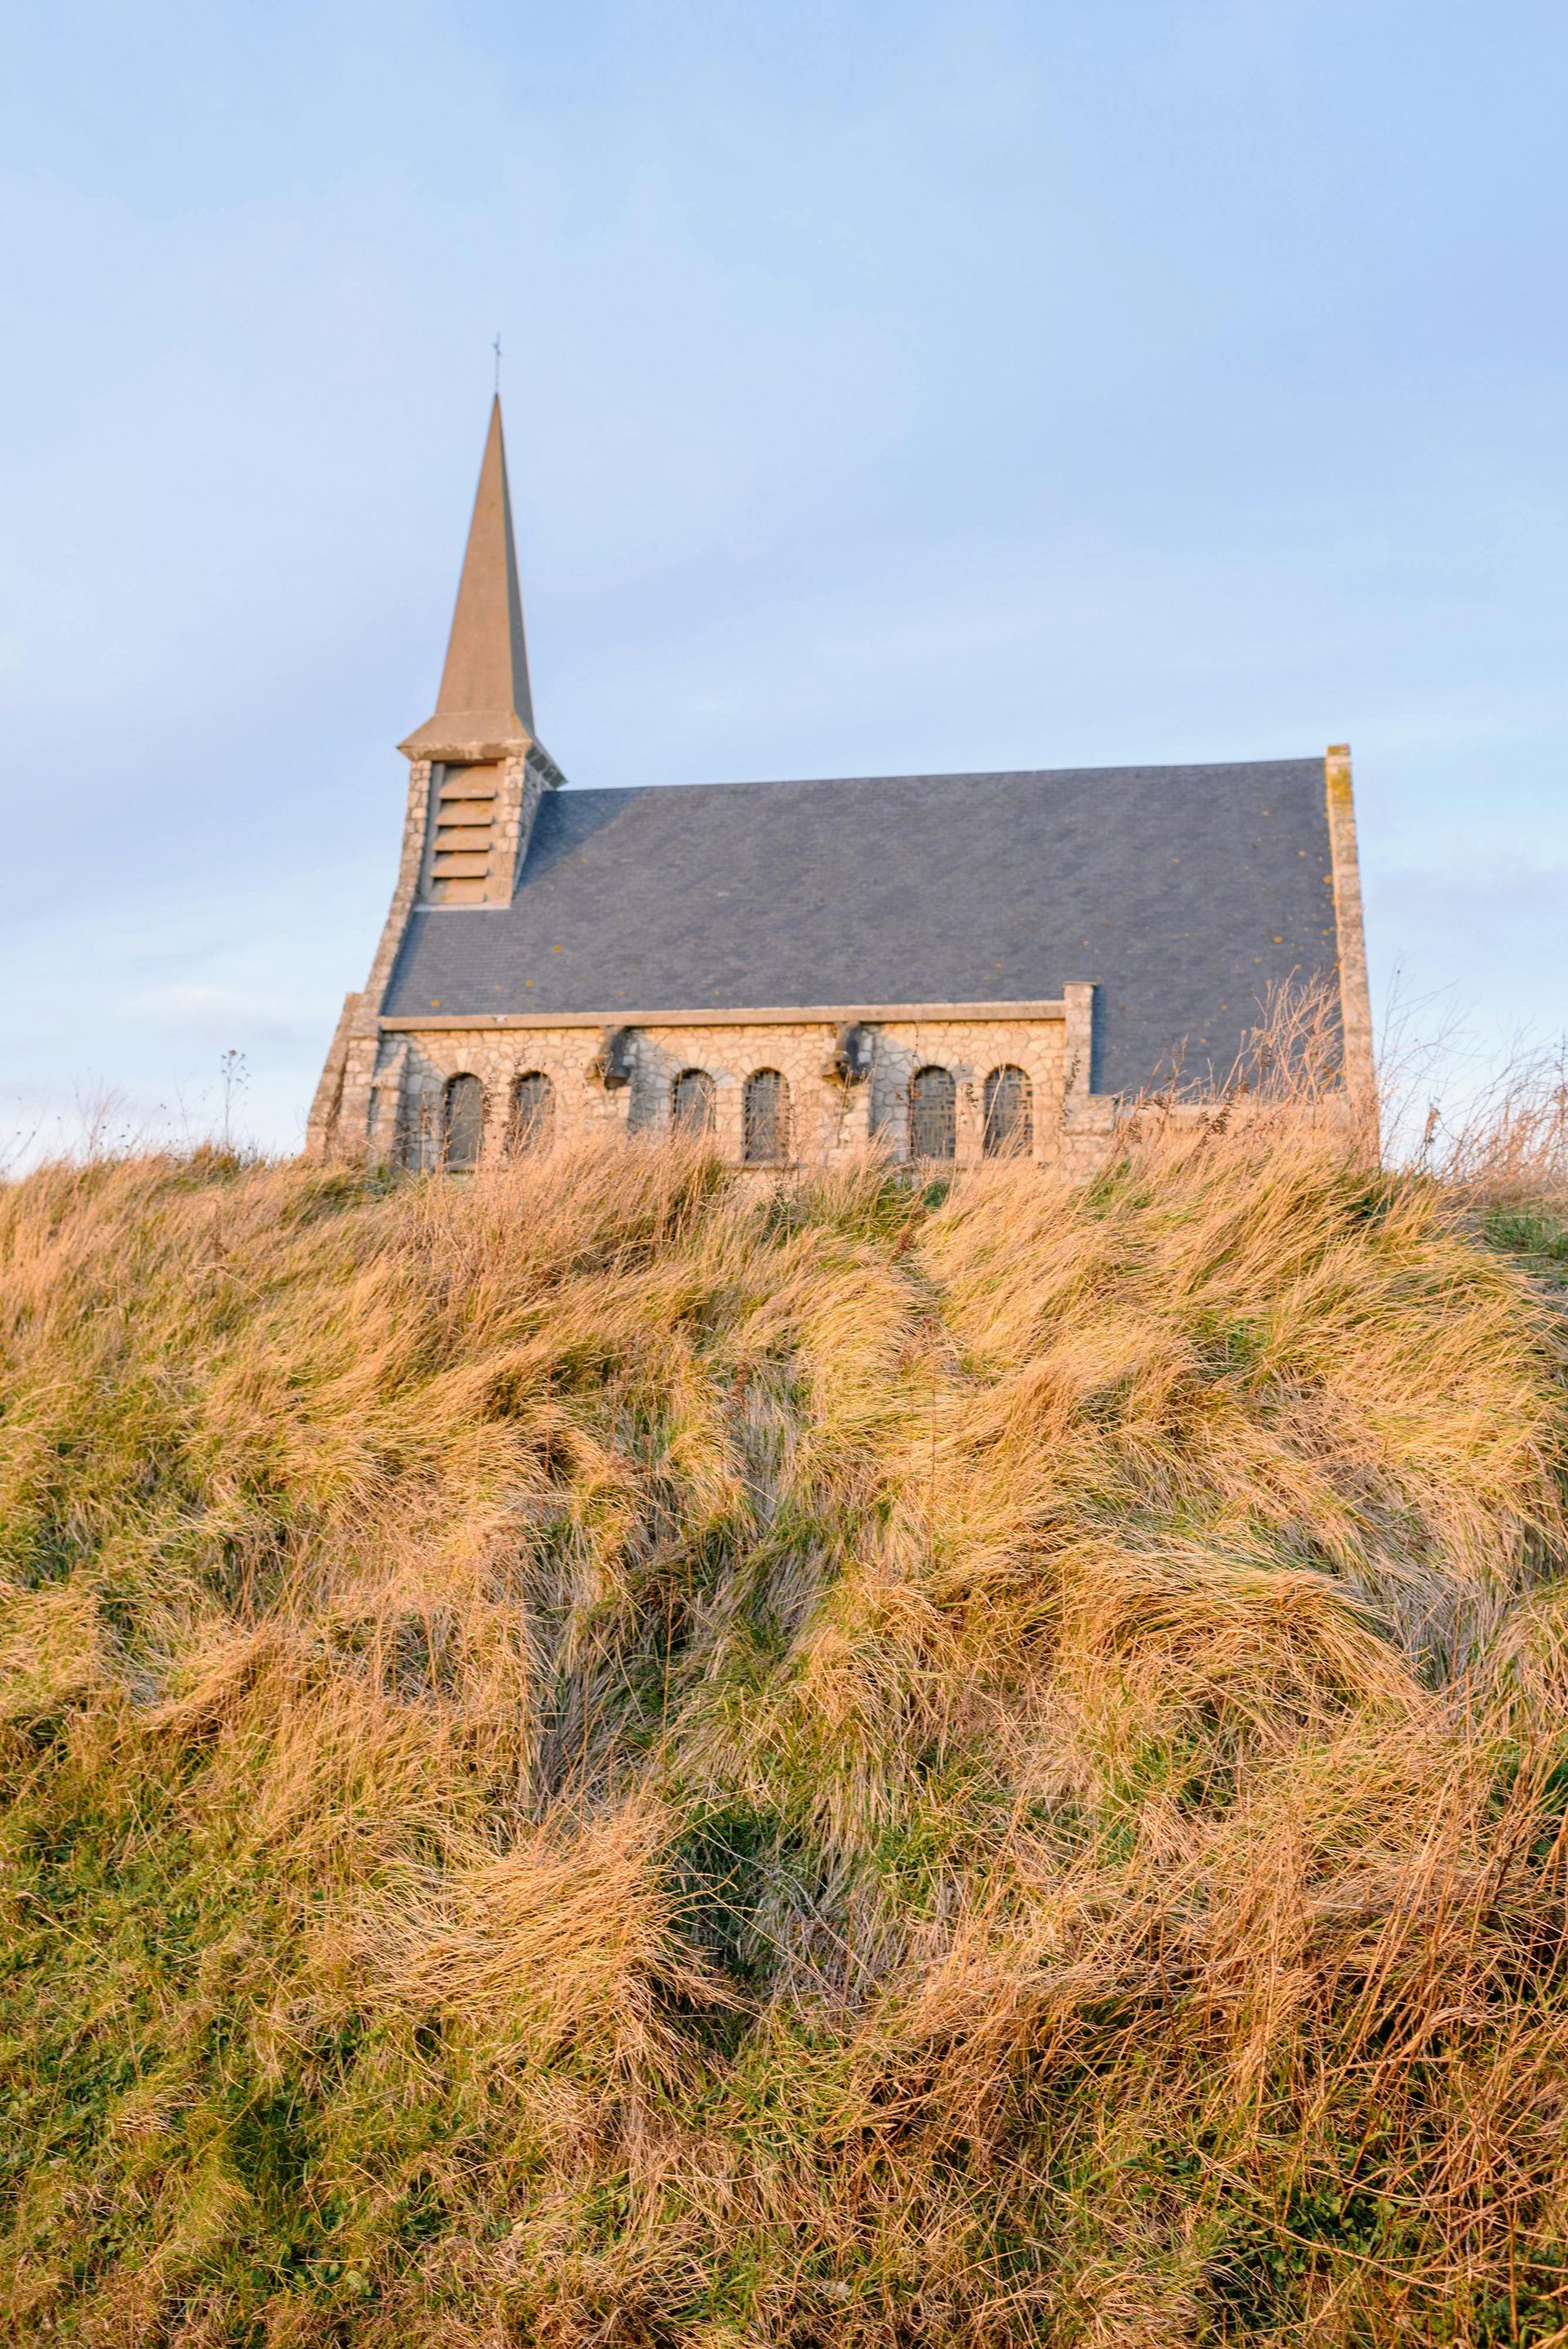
(609, 1754)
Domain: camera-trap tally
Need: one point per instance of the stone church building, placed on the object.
(951, 966)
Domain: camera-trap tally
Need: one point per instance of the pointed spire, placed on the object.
(487, 659)
(484, 705)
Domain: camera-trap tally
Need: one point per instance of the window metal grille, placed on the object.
(691, 1103)
(765, 1118)
(932, 1113)
(1009, 1114)
(532, 1114)
(463, 1128)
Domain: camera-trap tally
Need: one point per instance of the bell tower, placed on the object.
(477, 774)
(482, 767)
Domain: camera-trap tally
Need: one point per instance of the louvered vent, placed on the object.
(464, 836)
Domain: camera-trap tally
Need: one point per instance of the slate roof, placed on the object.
(1186, 892)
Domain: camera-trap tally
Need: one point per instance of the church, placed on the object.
(948, 968)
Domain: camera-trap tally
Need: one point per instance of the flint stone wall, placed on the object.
(830, 1122)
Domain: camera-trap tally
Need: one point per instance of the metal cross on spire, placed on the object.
(496, 347)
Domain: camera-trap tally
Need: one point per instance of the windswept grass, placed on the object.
(612, 1754)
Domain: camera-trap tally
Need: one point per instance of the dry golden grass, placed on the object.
(614, 1755)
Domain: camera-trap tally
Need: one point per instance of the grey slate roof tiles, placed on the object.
(1187, 893)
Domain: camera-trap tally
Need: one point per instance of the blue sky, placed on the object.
(888, 388)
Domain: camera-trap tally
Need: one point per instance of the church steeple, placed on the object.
(484, 706)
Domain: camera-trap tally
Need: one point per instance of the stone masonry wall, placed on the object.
(829, 1121)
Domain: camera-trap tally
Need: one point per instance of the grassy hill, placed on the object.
(616, 1754)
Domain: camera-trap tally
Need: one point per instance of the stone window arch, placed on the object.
(1009, 1102)
(932, 1113)
(692, 1104)
(765, 1118)
(462, 1123)
(532, 1114)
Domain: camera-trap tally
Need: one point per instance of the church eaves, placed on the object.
(484, 706)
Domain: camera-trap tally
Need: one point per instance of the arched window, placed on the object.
(691, 1103)
(1009, 1114)
(932, 1113)
(766, 1118)
(532, 1114)
(463, 1128)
